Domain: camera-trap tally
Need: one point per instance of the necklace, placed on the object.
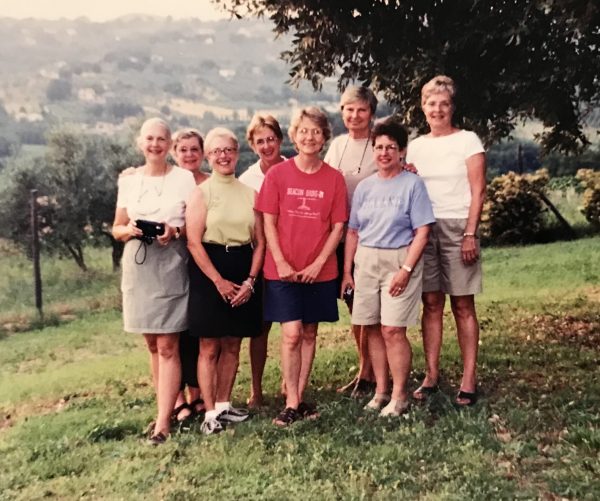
(156, 190)
(357, 170)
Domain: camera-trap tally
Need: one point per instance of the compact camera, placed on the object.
(348, 295)
(150, 229)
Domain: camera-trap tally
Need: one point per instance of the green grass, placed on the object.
(74, 398)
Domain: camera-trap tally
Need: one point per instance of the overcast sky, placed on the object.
(102, 10)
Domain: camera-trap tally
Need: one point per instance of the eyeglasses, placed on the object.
(388, 147)
(217, 151)
(313, 132)
(267, 140)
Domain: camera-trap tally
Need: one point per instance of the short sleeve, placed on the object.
(122, 191)
(353, 223)
(421, 212)
(473, 145)
(268, 197)
(187, 186)
(339, 213)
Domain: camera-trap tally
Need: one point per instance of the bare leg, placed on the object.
(399, 356)
(153, 351)
(169, 379)
(378, 357)
(227, 367)
(308, 348)
(258, 359)
(291, 333)
(467, 327)
(365, 370)
(431, 324)
(207, 370)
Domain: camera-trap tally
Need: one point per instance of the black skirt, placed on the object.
(211, 316)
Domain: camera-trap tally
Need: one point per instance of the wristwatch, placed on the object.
(405, 267)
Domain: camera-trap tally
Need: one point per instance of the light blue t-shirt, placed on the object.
(385, 212)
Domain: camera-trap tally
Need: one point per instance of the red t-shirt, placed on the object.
(307, 205)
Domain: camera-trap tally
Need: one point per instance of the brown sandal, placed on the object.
(286, 417)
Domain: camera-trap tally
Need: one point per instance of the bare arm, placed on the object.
(284, 270)
(123, 228)
(310, 273)
(415, 251)
(195, 221)
(258, 256)
(476, 177)
(349, 252)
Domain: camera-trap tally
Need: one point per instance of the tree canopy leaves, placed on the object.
(511, 59)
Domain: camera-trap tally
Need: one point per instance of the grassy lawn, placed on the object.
(75, 397)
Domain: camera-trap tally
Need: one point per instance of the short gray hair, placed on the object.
(219, 132)
(355, 93)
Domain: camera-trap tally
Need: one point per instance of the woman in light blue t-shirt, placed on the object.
(387, 233)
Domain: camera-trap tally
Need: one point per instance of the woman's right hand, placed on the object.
(132, 230)
(347, 281)
(228, 290)
(285, 271)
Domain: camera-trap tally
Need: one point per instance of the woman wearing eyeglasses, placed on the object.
(304, 204)
(226, 241)
(264, 137)
(387, 233)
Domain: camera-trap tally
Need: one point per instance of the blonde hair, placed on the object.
(440, 83)
(355, 93)
(219, 132)
(187, 134)
(314, 114)
(260, 121)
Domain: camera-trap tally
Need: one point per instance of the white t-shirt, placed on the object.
(253, 176)
(156, 198)
(441, 162)
(345, 154)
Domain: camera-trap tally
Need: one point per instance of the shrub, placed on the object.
(590, 180)
(513, 211)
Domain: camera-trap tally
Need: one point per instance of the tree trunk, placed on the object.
(565, 224)
(117, 250)
(76, 253)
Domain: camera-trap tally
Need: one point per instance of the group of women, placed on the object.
(281, 243)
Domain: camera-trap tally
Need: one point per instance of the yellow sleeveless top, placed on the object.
(230, 210)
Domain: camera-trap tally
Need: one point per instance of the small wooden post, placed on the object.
(35, 253)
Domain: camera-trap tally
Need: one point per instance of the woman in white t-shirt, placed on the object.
(451, 161)
(155, 280)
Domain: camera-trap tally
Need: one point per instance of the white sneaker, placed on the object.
(395, 408)
(211, 426)
(377, 402)
(233, 415)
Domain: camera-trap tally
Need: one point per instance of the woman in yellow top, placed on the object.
(226, 241)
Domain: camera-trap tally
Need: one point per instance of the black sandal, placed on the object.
(194, 406)
(308, 411)
(175, 414)
(286, 417)
(425, 392)
(157, 439)
(471, 398)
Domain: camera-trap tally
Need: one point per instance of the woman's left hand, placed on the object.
(470, 254)
(167, 236)
(243, 295)
(309, 274)
(399, 283)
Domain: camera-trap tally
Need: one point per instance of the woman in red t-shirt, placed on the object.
(304, 203)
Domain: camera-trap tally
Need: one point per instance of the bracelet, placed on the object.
(249, 284)
(405, 267)
(469, 234)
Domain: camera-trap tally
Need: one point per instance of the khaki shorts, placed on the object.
(444, 270)
(373, 272)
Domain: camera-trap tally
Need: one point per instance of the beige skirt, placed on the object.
(155, 287)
